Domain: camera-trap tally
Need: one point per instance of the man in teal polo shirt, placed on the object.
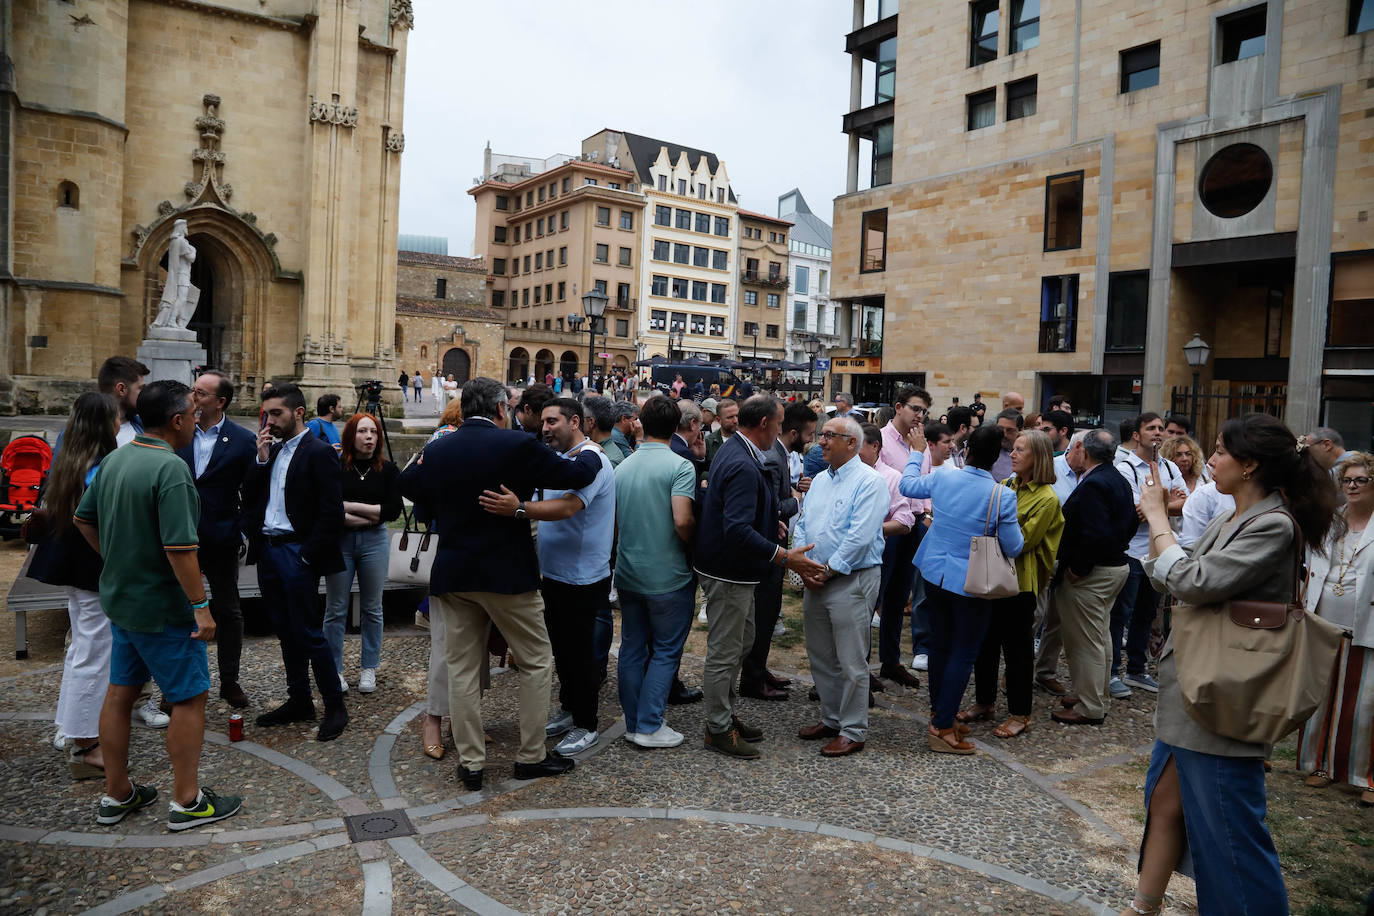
(143, 507)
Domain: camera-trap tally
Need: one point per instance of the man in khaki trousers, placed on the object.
(1099, 520)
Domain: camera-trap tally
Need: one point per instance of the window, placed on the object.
(624, 257)
(1128, 297)
(1352, 302)
(751, 329)
(562, 290)
(698, 324)
(613, 184)
(1058, 313)
(1140, 67)
(563, 256)
(548, 259)
(498, 266)
(663, 182)
(882, 156)
(659, 286)
(885, 87)
(529, 231)
(873, 241)
(982, 109)
(622, 295)
(515, 267)
(679, 288)
(658, 320)
(718, 293)
(772, 236)
(1064, 211)
(782, 238)
(498, 301)
(541, 193)
(717, 326)
(774, 271)
(751, 297)
(720, 195)
(603, 254)
(441, 288)
(603, 216)
(548, 292)
(821, 276)
(536, 295)
(1025, 25)
(803, 279)
(1021, 98)
(525, 296)
(553, 190)
(627, 219)
(772, 332)
(699, 290)
(983, 32)
(774, 302)
(663, 216)
(539, 260)
(682, 254)
(622, 327)
(720, 259)
(799, 314)
(1235, 180)
(529, 198)
(701, 191)
(1361, 16)
(661, 252)
(682, 186)
(751, 269)
(499, 234)
(703, 222)
(599, 286)
(589, 181)
(563, 220)
(539, 226)
(1242, 34)
(502, 202)
(684, 219)
(722, 225)
(567, 183)
(517, 203)
(678, 321)
(527, 264)
(700, 256)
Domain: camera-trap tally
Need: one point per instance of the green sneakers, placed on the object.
(112, 811)
(731, 744)
(208, 808)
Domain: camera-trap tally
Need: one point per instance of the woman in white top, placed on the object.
(1335, 744)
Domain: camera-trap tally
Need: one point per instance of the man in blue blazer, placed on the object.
(220, 456)
(485, 568)
(294, 508)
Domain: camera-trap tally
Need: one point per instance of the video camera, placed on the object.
(371, 390)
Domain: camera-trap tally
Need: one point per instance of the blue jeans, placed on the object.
(1229, 851)
(365, 553)
(1134, 609)
(898, 550)
(958, 625)
(653, 630)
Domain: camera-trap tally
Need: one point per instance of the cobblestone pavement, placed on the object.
(895, 829)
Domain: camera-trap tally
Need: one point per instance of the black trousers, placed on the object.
(767, 610)
(899, 550)
(1011, 633)
(570, 616)
(292, 595)
(220, 564)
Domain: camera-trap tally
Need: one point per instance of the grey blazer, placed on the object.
(1257, 564)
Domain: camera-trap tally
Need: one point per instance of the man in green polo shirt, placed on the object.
(142, 505)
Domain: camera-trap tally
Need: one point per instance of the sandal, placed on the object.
(1145, 905)
(962, 729)
(1317, 780)
(1013, 727)
(949, 741)
(975, 713)
(80, 767)
(434, 750)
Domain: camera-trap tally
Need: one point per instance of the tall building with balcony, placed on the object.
(549, 231)
(686, 261)
(1056, 200)
(809, 312)
(763, 283)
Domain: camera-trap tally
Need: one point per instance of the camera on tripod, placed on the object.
(370, 390)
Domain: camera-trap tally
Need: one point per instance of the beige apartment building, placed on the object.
(1056, 198)
(549, 231)
(443, 321)
(761, 327)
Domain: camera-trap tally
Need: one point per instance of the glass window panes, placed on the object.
(1064, 211)
(698, 324)
(684, 219)
(661, 250)
(983, 32)
(982, 109)
(624, 257)
(679, 288)
(682, 254)
(1058, 314)
(700, 256)
(1021, 98)
(1128, 297)
(717, 326)
(1140, 67)
(1025, 24)
(603, 254)
(874, 241)
(658, 319)
(603, 216)
(799, 314)
(886, 85)
(882, 154)
(803, 278)
(718, 293)
(1242, 34)
(659, 286)
(699, 290)
(627, 219)
(722, 225)
(663, 216)
(719, 259)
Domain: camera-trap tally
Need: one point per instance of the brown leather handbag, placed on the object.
(1254, 670)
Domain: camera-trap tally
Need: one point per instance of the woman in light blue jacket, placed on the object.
(962, 504)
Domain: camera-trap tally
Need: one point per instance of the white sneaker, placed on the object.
(59, 740)
(576, 741)
(779, 629)
(343, 682)
(920, 663)
(665, 736)
(877, 620)
(421, 621)
(367, 682)
(702, 616)
(559, 723)
(151, 716)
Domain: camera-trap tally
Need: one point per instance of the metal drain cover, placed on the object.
(378, 826)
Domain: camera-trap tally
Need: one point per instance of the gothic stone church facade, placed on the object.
(273, 127)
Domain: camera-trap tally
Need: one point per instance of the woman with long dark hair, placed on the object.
(1204, 793)
(372, 497)
(63, 558)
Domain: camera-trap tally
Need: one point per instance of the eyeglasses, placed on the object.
(917, 408)
(1356, 481)
(828, 435)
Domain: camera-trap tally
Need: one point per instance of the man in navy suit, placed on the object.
(294, 507)
(485, 568)
(220, 456)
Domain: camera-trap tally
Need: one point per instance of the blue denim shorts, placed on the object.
(178, 663)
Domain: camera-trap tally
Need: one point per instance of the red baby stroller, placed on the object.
(24, 466)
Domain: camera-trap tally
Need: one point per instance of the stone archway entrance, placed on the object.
(458, 364)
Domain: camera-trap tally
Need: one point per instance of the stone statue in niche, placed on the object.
(179, 296)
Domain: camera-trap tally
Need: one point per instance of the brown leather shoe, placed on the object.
(233, 695)
(841, 747)
(774, 680)
(762, 691)
(875, 685)
(816, 732)
(1068, 702)
(1052, 685)
(1073, 717)
(898, 674)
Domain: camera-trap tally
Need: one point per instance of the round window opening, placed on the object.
(1235, 180)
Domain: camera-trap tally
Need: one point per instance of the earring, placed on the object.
(1245, 475)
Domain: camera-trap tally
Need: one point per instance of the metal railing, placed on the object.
(1210, 409)
(779, 280)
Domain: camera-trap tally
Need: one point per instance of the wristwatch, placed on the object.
(520, 510)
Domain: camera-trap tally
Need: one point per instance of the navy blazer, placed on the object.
(479, 551)
(1099, 522)
(314, 503)
(221, 486)
(738, 527)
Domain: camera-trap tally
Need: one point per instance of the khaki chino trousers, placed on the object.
(1085, 613)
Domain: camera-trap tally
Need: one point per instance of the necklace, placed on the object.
(362, 475)
(1343, 565)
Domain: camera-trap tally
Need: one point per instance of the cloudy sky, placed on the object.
(761, 83)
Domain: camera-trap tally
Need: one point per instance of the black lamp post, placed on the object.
(675, 334)
(594, 307)
(812, 344)
(1197, 352)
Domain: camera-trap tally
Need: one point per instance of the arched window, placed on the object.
(69, 195)
(398, 345)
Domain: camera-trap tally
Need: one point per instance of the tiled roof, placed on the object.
(442, 309)
(541, 177)
(476, 265)
(763, 217)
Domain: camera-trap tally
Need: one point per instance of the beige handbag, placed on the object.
(990, 574)
(411, 554)
(1254, 670)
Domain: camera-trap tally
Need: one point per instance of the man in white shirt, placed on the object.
(1204, 504)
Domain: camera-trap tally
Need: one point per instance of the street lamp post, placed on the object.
(1196, 351)
(812, 345)
(594, 306)
(675, 333)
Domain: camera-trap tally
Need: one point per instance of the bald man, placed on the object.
(1013, 401)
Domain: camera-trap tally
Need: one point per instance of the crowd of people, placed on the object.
(1089, 543)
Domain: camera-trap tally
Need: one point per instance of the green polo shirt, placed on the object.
(144, 502)
(650, 558)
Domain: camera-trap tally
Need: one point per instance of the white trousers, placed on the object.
(86, 671)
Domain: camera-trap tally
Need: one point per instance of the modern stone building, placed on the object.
(273, 127)
(443, 321)
(763, 281)
(1057, 198)
(810, 312)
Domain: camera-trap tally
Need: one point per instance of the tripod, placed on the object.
(370, 401)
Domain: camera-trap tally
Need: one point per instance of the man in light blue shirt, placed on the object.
(843, 515)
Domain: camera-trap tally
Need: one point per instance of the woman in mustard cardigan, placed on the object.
(1011, 632)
